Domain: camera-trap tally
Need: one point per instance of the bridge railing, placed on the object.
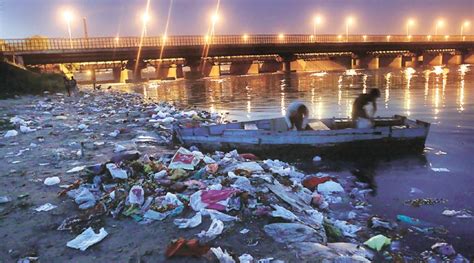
(55, 44)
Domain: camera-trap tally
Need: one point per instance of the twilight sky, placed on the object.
(23, 18)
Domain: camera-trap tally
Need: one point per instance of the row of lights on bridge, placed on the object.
(317, 21)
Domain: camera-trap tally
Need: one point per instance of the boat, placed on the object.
(392, 135)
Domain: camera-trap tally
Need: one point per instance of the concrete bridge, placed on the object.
(247, 54)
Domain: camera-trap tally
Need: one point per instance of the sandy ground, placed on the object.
(24, 166)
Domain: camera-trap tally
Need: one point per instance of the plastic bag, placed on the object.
(189, 223)
(10, 133)
(243, 183)
(294, 233)
(214, 214)
(45, 207)
(212, 199)
(153, 215)
(283, 213)
(377, 242)
(136, 195)
(330, 187)
(116, 172)
(76, 169)
(83, 197)
(222, 256)
(183, 159)
(214, 230)
(52, 180)
(246, 258)
(444, 249)
(87, 239)
(346, 228)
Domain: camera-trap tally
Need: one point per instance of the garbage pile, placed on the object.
(215, 194)
(223, 187)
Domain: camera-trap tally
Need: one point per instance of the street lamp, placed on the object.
(145, 19)
(317, 21)
(410, 23)
(463, 25)
(214, 19)
(349, 22)
(68, 16)
(439, 24)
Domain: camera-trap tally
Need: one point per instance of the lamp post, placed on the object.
(68, 18)
(410, 23)
(145, 19)
(317, 21)
(464, 25)
(439, 24)
(349, 22)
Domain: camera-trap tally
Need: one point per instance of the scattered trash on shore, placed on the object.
(208, 195)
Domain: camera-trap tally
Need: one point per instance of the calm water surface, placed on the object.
(442, 96)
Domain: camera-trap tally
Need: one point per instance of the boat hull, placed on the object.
(382, 140)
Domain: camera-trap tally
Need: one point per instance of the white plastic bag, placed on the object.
(116, 172)
(189, 222)
(330, 187)
(222, 256)
(136, 195)
(52, 180)
(45, 207)
(214, 230)
(87, 239)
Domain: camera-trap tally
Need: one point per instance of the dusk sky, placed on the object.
(23, 18)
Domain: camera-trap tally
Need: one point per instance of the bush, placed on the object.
(17, 81)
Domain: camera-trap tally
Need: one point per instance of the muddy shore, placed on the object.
(76, 131)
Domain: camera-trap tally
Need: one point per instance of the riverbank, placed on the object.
(19, 81)
(64, 135)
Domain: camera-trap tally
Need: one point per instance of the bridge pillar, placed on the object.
(270, 66)
(287, 66)
(117, 73)
(409, 61)
(298, 65)
(468, 58)
(136, 69)
(211, 69)
(169, 71)
(244, 68)
(430, 59)
(391, 62)
(329, 64)
(367, 62)
(452, 59)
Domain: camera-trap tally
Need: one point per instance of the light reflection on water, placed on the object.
(439, 95)
(418, 93)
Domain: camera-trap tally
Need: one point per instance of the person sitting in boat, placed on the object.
(360, 115)
(297, 116)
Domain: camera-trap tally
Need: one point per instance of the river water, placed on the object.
(439, 95)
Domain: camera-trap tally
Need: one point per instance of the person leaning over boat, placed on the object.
(297, 116)
(360, 115)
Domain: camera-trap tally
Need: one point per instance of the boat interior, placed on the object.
(279, 124)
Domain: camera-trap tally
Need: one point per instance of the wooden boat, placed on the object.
(396, 134)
